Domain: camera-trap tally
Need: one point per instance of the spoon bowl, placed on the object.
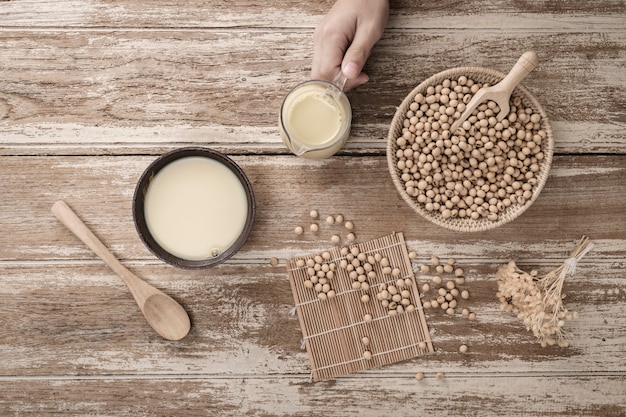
(166, 316)
(501, 92)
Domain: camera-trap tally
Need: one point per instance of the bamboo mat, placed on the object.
(334, 328)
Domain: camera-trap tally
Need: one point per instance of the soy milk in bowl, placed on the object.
(193, 207)
(315, 119)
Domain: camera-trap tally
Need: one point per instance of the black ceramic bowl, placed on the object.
(139, 207)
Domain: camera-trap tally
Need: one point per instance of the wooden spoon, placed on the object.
(165, 315)
(501, 92)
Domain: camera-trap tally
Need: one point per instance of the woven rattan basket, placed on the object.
(478, 75)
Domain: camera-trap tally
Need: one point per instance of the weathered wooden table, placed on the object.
(92, 91)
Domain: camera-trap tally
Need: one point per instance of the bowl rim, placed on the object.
(458, 224)
(139, 216)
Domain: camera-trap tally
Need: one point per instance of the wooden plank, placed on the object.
(470, 394)
(139, 91)
(68, 319)
(484, 14)
(583, 195)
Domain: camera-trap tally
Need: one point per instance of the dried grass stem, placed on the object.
(538, 302)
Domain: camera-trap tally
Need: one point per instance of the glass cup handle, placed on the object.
(340, 80)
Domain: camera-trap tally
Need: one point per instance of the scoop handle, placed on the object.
(524, 65)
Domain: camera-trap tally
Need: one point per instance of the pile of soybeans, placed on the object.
(488, 171)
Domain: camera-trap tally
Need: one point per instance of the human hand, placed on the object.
(345, 37)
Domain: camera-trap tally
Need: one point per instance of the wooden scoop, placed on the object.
(501, 92)
(165, 315)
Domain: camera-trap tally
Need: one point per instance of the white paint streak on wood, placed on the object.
(569, 136)
(582, 171)
(85, 135)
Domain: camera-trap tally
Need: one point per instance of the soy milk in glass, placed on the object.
(315, 119)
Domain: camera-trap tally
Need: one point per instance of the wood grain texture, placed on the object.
(487, 396)
(92, 91)
(474, 14)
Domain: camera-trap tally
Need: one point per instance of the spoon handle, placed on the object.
(66, 215)
(524, 65)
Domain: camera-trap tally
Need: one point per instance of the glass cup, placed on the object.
(315, 118)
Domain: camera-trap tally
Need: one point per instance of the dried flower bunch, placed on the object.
(538, 301)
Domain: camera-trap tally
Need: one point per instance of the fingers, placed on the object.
(334, 52)
(351, 83)
(354, 60)
(358, 51)
(345, 37)
(328, 51)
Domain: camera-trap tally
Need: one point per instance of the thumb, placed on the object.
(352, 66)
(359, 50)
(354, 60)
